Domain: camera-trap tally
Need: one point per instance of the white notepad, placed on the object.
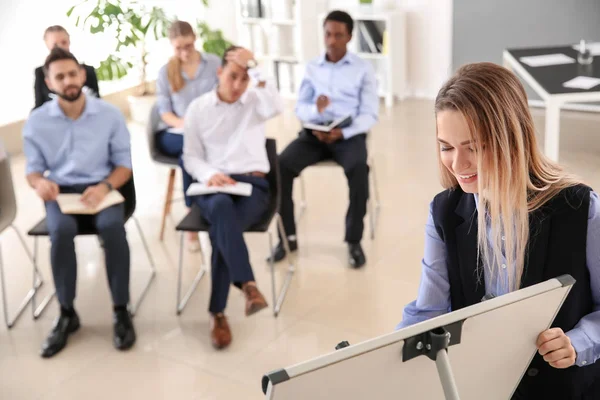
(547, 59)
(70, 203)
(582, 82)
(238, 189)
(177, 131)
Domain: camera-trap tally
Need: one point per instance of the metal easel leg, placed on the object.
(442, 362)
(434, 345)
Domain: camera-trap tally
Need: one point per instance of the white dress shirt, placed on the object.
(229, 138)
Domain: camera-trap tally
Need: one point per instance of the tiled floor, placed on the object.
(327, 302)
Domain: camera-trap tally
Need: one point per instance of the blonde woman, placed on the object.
(539, 223)
(188, 75)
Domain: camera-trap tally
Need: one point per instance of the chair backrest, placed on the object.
(155, 124)
(151, 129)
(128, 192)
(274, 179)
(8, 201)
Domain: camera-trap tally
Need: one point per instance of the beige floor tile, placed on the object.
(24, 375)
(223, 388)
(133, 375)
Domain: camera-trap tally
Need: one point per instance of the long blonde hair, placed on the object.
(174, 74)
(514, 177)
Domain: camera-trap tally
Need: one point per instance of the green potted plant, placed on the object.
(133, 24)
(213, 41)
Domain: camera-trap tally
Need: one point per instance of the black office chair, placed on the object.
(373, 204)
(86, 227)
(159, 158)
(193, 222)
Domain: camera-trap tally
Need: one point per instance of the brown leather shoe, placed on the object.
(220, 334)
(255, 301)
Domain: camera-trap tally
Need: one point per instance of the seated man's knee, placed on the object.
(112, 226)
(222, 203)
(63, 227)
(358, 170)
(286, 163)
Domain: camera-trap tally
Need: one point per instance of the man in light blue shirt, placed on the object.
(337, 84)
(80, 144)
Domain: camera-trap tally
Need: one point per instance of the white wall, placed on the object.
(22, 24)
(429, 41)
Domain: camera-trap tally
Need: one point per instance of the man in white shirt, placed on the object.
(224, 143)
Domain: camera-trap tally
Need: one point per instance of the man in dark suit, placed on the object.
(57, 36)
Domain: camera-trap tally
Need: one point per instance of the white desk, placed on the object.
(547, 83)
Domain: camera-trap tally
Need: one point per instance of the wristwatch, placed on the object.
(108, 185)
(251, 64)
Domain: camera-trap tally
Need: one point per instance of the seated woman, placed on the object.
(188, 75)
(57, 36)
(508, 219)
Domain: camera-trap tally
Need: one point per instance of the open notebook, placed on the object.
(238, 189)
(70, 203)
(340, 122)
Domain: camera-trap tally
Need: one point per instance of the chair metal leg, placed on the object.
(168, 201)
(278, 301)
(272, 267)
(37, 312)
(303, 203)
(375, 185)
(181, 303)
(137, 304)
(38, 281)
(374, 204)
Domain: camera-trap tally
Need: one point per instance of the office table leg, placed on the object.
(506, 64)
(551, 137)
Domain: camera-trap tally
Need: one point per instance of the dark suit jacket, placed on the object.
(42, 93)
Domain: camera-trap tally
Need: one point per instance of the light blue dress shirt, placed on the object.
(81, 151)
(351, 87)
(433, 298)
(202, 82)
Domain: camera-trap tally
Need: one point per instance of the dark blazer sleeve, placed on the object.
(40, 89)
(92, 80)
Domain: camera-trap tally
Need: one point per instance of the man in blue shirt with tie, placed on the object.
(80, 144)
(336, 84)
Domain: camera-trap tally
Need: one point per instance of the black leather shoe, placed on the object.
(124, 334)
(57, 339)
(356, 255)
(279, 253)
